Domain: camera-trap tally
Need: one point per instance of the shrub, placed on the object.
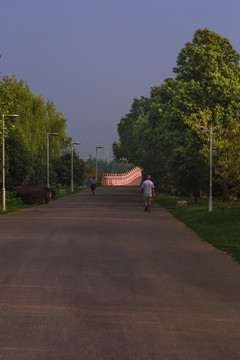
(12, 199)
(32, 194)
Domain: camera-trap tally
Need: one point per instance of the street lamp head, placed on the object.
(77, 143)
(99, 147)
(10, 115)
(54, 134)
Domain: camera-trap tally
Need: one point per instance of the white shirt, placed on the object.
(93, 181)
(147, 186)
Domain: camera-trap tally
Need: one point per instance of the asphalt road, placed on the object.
(97, 278)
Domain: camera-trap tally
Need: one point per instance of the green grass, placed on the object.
(221, 227)
(12, 208)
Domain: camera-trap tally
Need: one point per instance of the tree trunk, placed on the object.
(225, 193)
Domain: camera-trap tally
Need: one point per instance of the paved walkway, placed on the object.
(96, 278)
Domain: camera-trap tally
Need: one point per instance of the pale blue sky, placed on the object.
(92, 57)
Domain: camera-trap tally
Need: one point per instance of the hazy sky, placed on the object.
(93, 57)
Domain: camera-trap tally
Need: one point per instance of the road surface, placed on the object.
(97, 278)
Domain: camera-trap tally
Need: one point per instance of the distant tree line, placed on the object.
(109, 167)
(162, 134)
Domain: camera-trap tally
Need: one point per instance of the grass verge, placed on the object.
(221, 227)
(12, 208)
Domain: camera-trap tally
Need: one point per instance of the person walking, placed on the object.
(148, 192)
(93, 183)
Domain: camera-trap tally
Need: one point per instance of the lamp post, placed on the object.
(48, 134)
(210, 204)
(3, 163)
(97, 147)
(74, 143)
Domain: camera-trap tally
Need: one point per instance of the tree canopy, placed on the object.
(26, 136)
(162, 133)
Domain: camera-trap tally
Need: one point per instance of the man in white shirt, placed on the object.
(148, 192)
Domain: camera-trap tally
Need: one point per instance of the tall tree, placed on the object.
(62, 169)
(36, 118)
(210, 61)
(128, 146)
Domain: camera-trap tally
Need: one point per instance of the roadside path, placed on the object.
(96, 278)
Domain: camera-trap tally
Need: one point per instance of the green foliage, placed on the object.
(207, 55)
(26, 135)
(38, 172)
(12, 199)
(62, 169)
(162, 133)
(89, 170)
(105, 167)
(18, 161)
